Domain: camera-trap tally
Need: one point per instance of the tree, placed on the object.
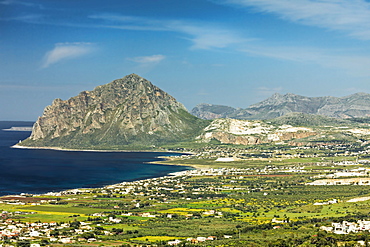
(23, 243)
(87, 235)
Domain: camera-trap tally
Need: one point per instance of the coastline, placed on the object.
(63, 191)
(92, 150)
(196, 167)
(72, 190)
(84, 189)
(118, 151)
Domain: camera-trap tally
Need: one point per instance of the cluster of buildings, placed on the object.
(342, 181)
(358, 176)
(174, 184)
(195, 240)
(14, 231)
(318, 149)
(346, 227)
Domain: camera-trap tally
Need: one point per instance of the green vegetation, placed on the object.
(260, 199)
(302, 119)
(240, 195)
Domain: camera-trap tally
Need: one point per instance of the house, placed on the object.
(66, 240)
(147, 215)
(174, 242)
(34, 234)
(114, 220)
(201, 239)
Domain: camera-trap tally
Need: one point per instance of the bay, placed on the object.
(38, 171)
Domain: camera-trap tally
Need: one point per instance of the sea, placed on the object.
(38, 171)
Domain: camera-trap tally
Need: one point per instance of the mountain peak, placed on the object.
(130, 110)
(134, 77)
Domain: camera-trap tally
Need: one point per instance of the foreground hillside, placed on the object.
(126, 112)
(352, 106)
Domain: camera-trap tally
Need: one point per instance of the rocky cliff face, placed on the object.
(130, 110)
(352, 106)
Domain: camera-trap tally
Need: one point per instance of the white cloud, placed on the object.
(64, 51)
(148, 59)
(349, 16)
(206, 36)
(203, 35)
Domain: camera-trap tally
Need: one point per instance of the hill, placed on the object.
(128, 111)
(292, 129)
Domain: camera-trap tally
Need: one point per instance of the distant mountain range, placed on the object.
(352, 106)
(131, 113)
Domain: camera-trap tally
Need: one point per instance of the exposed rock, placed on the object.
(244, 132)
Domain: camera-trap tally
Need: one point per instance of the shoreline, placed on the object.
(65, 191)
(94, 150)
(196, 167)
(81, 189)
(190, 167)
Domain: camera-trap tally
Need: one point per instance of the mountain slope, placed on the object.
(127, 111)
(209, 111)
(352, 106)
(293, 129)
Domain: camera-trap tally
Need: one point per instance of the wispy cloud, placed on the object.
(353, 64)
(126, 22)
(202, 35)
(64, 51)
(206, 36)
(16, 2)
(28, 18)
(145, 64)
(154, 59)
(351, 17)
(296, 54)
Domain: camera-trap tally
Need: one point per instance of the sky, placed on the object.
(226, 52)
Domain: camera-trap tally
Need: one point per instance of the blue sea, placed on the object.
(39, 171)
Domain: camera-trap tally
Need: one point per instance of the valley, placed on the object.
(260, 196)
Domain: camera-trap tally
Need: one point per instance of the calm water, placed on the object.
(41, 171)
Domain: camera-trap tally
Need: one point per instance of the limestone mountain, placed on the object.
(127, 111)
(352, 106)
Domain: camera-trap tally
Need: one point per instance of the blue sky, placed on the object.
(229, 52)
